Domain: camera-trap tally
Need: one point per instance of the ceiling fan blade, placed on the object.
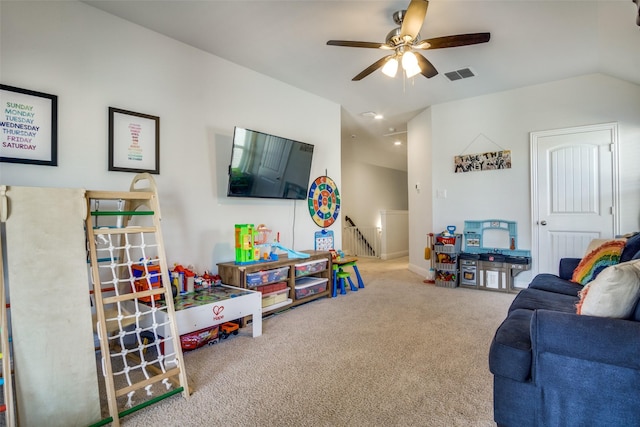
(453, 41)
(371, 68)
(346, 43)
(413, 19)
(428, 70)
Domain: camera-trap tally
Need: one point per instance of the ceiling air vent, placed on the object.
(460, 74)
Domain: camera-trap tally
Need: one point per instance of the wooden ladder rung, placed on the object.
(123, 230)
(153, 380)
(120, 195)
(133, 295)
(121, 213)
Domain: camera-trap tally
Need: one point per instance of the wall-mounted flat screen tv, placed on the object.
(268, 166)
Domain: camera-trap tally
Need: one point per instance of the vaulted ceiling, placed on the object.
(532, 41)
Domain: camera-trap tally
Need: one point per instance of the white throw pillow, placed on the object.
(614, 293)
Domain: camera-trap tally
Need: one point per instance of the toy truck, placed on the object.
(227, 329)
(199, 338)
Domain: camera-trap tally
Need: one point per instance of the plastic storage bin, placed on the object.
(275, 297)
(307, 286)
(273, 287)
(310, 267)
(447, 250)
(267, 276)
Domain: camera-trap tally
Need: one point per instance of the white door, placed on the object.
(574, 191)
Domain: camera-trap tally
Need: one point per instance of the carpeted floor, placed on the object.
(397, 353)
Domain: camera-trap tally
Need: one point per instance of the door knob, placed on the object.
(543, 222)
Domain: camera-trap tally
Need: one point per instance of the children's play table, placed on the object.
(205, 308)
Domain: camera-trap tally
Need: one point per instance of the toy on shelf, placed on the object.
(207, 280)
(290, 252)
(245, 244)
(250, 240)
(262, 234)
(337, 255)
(186, 280)
(183, 278)
(262, 241)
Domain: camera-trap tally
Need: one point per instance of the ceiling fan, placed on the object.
(403, 41)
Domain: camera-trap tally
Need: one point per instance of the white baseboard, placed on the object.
(418, 270)
(394, 255)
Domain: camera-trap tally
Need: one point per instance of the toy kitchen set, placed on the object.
(491, 258)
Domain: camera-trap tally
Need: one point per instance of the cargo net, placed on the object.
(127, 266)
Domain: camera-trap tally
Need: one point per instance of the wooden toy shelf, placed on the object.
(236, 275)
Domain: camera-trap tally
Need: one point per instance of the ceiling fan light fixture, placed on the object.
(406, 42)
(410, 64)
(391, 67)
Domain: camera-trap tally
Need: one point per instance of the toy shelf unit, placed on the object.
(281, 282)
(491, 258)
(447, 251)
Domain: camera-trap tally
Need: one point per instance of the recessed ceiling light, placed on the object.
(372, 115)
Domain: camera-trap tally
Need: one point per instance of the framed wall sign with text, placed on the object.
(28, 127)
(134, 142)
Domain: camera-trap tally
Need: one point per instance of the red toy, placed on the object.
(199, 338)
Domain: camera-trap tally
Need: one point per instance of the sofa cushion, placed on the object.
(614, 293)
(604, 255)
(534, 299)
(510, 352)
(552, 283)
(566, 267)
(636, 313)
(631, 248)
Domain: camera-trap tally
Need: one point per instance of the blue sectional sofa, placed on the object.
(553, 367)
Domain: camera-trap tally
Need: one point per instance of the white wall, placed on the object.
(368, 189)
(503, 121)
(420, 182)
(395, 234)
(93, 60)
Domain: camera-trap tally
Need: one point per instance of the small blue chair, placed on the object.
(324, 242)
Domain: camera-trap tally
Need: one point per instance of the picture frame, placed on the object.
(493, 160)
(28, 126)
(134, 142)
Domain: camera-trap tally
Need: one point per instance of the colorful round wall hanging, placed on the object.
(324, 201)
